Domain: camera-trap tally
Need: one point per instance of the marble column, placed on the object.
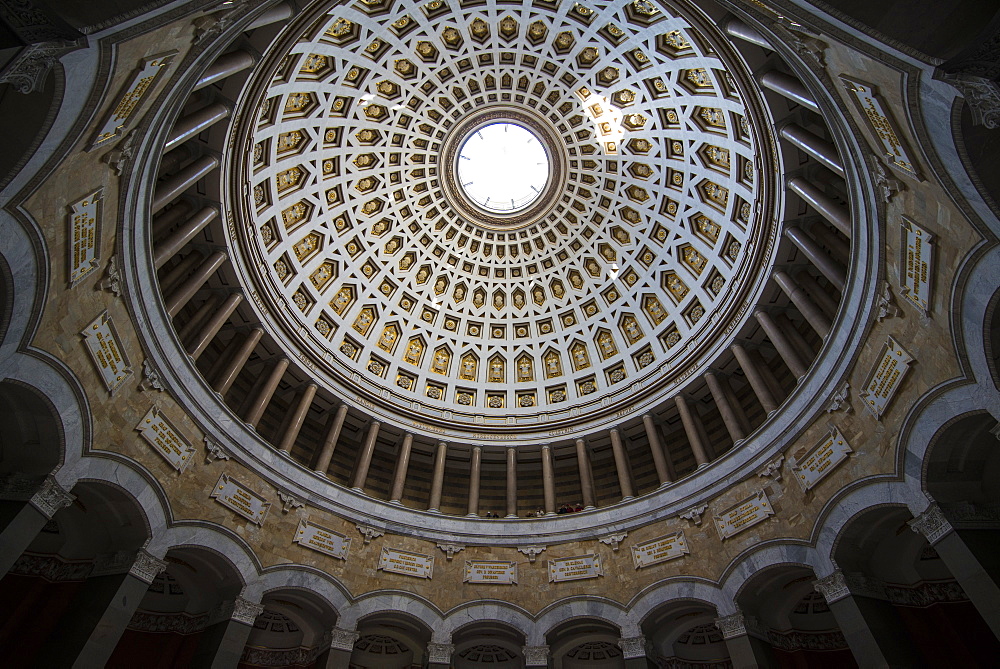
(297, 418)
(172, 187)
(402, 465)
(266, 392)
(512, 482)
(184, 292)
(168, 219)
(782, 343)
(828, 267)
(839, 215)
(280, 12)
(760, 386)
(224, 67)
(338, 655)
(821, 150)
(586, 476)
(721, 399)
(744, 640)
(871, 625)
(820, 295)
(365, 457)
(740, 30)
(548, 480)
(688, 419)
(107, 611)
(214, 324)
(970, 557)
(437, 484)
(809, 309)
(180, 237)
(237, 362)
(330, 441)
(475, 467)
(790, 87)
(221, 644)
(621, 465)
(204, 313)
(659, 460)
(180, 271)
(795, 337)
(195, 123)
(22, 529)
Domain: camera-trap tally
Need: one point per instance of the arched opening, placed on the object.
(290, 632)
(488, 644)
(585, 643)
(391, 640)
(683, 633)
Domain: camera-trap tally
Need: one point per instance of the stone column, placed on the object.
(238, 361)
(196, 123)
(214, 324)
(535, 656)
(548, 480)
(819, 294)
(512, 482)
(742, 31)
(199, 320)
(691, 430)
(180, 271)
(180, 237)
(745, 641)
(225, 66)
(439, 655)
(338, 655)
(757, 382)
(870, 624)
(828, 267)
(169, 219)
(828, 208)
(819, 149)
(729, 417)
(788, 86)
(402, 465)
(970, 567)
(838, 247)
(184, 292)
(634, 652)
(791, 330)
(275, 14)
(29, 521)
(475, 465)
(659, 460)
(438, 482)
(266, 392)
(330, 442)
(105, 618)
(221, 644)
(172, 187)
(298, 418)
(586, 477)
(809, 309)
(781, 342)
(365, 457)
(621, 465)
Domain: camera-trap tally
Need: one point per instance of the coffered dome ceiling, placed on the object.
(633, 268)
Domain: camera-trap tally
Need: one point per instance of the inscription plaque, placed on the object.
(165, 439)
(490, 572)
(575, 568)
(669, 547)
(915, 269)
(322, 540)
(744, 515)
(229, 493)
(403, 562)
(103, 343)
(84, 236)
(812, 465)
(135, 92)
(885, 379)
(867, 99)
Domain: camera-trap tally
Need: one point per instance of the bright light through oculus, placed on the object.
(502, 167)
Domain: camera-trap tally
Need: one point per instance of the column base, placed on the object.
(472, 515)
(396, 502)
(511, 515)
(361, 490)
(628, 497)
(323, 474)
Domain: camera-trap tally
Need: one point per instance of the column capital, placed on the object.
(740, 624)
(839, 585)
(440, 652)
(633, 647)
(245, 611)
(932, 524)
(51, 497)
(833, 587)
(536, 656)
(341, 639)
(146, 567)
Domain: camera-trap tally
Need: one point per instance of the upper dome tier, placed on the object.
(635, 265)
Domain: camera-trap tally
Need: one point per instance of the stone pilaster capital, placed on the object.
(739, 624)
(146, 567)
(932, 524)
(536, 656)
(440, 652)
(341, 639)
(833, 587)
(633, 647)
(51, 497)
(245, 611)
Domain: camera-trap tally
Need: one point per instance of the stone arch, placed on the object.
(499, 612)
(961, 464)
(32, 436)
(406, 604)
(592, 608)
(666, 625)
(991, 336)
(679, 590)
(304, 578)
(748, 567)
(488, 641)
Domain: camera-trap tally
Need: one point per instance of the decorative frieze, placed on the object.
(491, 572)
(84, 246)
(103, 344)
(662, 549)
(139, 86)
(812, 465)
(165, 439)
(246, 503)
(404, 562)
(322, 540)
(915, 265)
(869, 102)
(885, 378)
(744, 515)
(575, 568)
